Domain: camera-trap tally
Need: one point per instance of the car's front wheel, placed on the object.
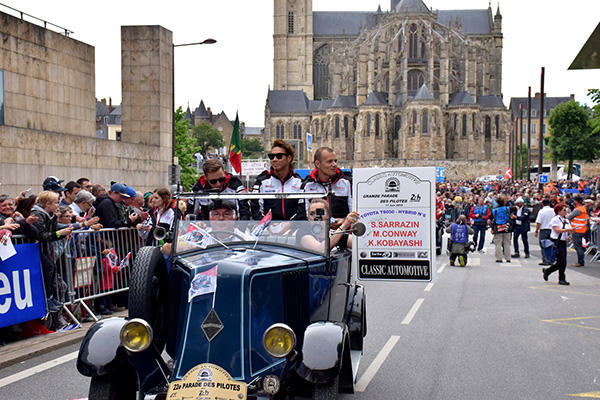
(326, 391)
(117, 386)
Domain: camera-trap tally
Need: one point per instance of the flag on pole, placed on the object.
(508, 174)
(235, 150)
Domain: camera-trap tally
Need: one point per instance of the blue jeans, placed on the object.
(479, 234)
(577, 237)
(519, 232)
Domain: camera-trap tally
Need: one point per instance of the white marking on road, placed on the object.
(385, 351)
(37, 369)
(412, 312)
(441, 269)
(428, 287)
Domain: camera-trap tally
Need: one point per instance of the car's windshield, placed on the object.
(307, 235)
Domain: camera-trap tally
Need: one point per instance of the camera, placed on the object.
(319, 214)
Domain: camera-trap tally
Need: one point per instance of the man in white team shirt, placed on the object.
(543, 228)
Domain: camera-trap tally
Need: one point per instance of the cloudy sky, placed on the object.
(234, 74)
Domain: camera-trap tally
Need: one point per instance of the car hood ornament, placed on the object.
(212, 325)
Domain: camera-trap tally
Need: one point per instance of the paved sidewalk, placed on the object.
(21, 350)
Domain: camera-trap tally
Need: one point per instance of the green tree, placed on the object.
(206, 137)
(252, 148)
(571, 134)
(185, 148)
(595, 121)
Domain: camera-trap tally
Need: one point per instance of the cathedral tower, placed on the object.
(293, 46)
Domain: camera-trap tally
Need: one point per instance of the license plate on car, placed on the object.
(207, 382)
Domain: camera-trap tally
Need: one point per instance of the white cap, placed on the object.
(519, 200)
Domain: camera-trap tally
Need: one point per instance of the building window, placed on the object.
(337, 127)
(377, 125)
(497, 121)
(299, 131)
(295, 131)
(279, 132)
(291, 22)
(413, 42)
(524, 112)
(544, 129)
(464, 125)
(533, 128)
(415, 81)
(533, 113)
(523, 127)
(368, 124)
(488, 127)
(397, 126)
(1, 97)
(413, 123)
(118, 136)
(473, 128)
(346, 126)
(425, 122)
(321, 72)
(353, 124)
(455, 122)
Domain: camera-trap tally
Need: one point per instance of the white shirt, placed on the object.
(561, 223)
(544, 217)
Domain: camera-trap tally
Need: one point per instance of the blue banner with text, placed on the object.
(22, 286)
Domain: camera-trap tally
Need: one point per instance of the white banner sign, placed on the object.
(397, 207)
(254, 167)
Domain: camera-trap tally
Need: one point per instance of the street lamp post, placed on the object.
(173, 163)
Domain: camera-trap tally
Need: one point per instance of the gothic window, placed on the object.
(346, 126)
(368, 124)
(277, 132)
(295, 131)
(337, 127)
(423, 49)
(299, 131)
(415, 80)
(473, 124)
(321, 72)
(488, 127)
(412, 42)
(464, 125)
(497, 121)
(397, 126)
(354, 124)
(323, 127)
(376, 124)
(400, 38)
(291, 22)
(425, 122)
(413, 123)
(455, 122)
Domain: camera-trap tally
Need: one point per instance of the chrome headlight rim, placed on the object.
(148, 328)
(284, 327)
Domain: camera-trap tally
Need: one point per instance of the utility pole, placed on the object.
(529, 133)
(541, 133)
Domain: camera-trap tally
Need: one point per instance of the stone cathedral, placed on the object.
(411, 83)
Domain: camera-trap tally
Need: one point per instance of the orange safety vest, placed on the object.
(579, 223)
(581, 186)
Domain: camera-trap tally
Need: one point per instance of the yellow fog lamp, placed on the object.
(136, 335)
(279, 340)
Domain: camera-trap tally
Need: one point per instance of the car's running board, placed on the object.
(355, 356)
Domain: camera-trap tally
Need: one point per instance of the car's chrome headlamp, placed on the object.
(136, 335)
(279, 340)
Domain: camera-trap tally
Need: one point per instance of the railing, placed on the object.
(593, 247)
(90, 265)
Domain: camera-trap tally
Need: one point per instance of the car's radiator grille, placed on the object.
(296, 304)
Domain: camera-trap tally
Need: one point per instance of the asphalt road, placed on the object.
(487, 331)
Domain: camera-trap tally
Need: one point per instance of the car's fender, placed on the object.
(322, 351)
(100, 352)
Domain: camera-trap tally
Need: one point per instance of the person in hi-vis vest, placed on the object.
(579, 222)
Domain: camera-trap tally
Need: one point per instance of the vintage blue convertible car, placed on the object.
(246, 310)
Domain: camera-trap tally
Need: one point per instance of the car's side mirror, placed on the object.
(358, 229)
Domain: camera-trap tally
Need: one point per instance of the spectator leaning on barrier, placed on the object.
(82, 203)
(106, 208)
(52, 184)
(14, 221)
(281, 178)
(48, 232)
(85, 184)
(71, 190)
(216, 179)
(328, 177)
(98, 190)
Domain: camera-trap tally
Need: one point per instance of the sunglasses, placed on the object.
(279, 156)
(219, 180)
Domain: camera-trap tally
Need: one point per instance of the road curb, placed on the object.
(16, 352)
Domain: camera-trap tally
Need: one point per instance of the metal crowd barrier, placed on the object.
(90, 265)
(593, 247)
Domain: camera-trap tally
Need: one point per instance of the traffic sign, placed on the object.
(543, 178)
(440, 174)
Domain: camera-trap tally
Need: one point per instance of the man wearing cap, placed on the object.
(52, 184)
(106, 209)
(521, 228)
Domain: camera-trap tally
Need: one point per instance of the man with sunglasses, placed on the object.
(328, 177)
(281, 178)
(215, 179)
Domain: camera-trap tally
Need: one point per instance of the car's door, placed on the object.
(340, 266)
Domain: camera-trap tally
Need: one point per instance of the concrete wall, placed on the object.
(49, 93)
